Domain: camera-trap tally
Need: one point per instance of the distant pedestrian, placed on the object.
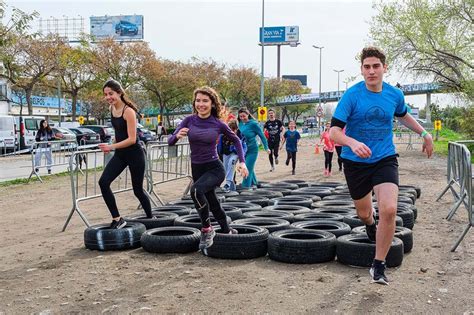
(292, 137)
(160, 130)
(274, 128)
(328, 149)
(250, 128)
(338, 148)
(44, 134)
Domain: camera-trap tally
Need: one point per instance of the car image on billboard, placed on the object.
(126, 28)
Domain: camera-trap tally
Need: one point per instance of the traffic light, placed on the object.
(262, 113)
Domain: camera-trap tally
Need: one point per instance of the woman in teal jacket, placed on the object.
(250, 128)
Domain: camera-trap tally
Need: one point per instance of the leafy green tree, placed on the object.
(430, 39)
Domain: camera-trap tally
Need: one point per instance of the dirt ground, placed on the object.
(43, 270)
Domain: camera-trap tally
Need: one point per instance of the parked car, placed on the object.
(144, 135)
(8, 134)
(63, 133)
(85, 136)
(126, 28)
(106, 134)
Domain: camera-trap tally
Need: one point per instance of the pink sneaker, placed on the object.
(325, 172)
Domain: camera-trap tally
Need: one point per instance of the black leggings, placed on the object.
(291, 156)
(274, 146)
(339, 159)
(207, 177)
(328, 160)
(135, 160)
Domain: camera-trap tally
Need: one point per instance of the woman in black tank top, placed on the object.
(127, 152)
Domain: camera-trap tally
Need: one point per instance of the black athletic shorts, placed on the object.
(362, 177)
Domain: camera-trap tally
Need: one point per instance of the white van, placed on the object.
(31, 126)
(7, 133)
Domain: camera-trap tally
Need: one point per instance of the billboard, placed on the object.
(279, 35)
(302, 78)
(123, 27)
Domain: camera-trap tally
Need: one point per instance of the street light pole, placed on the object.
(338, 91)
(320, 62)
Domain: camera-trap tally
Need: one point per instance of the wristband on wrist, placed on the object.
(423, 133)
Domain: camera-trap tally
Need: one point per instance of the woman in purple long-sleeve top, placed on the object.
(203, 129)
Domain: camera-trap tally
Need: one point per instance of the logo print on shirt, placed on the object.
(375, 116)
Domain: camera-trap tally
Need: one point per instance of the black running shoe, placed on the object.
(371, 231)
(378, 274)
(118, 224)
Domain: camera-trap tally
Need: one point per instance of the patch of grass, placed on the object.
(444, 137)
(24, 181)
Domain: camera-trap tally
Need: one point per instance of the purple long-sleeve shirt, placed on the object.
(203, 135)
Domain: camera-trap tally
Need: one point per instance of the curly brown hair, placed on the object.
(372, 51)
(216, 109)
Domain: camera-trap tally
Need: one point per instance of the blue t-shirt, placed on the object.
(292, 140)
(250, 130)
(369, 119)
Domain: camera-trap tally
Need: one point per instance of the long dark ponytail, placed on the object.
(117, 87)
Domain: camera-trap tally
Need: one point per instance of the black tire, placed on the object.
(281, 185)
(341, 197)
(244, 206)
(262, 201)
(333, 203)
(354, 221)
(226, 194)
(262, 193)
(102, 237)
(410, 207)
(270, 214)
(358, 250)
(340, 211)
(299, 182)
(314, 198)
(313, 216)
(176, 239)
(406, 235)
(160, 219)
(193, 220)
(405, 199)
(282, 190)
(231, 211)
(189, 203)
(271, 224)
(287, 208)
(300, 246)
(326, 184)
(316, 191)
(407, 216)
(291, 200)
(335, 227)
(407, 195)
(416, 188)
(189, 199)
(251, 242)
(179, 210)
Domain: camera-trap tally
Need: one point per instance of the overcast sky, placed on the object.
(228, 32)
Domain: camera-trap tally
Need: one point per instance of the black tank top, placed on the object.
(120, 126)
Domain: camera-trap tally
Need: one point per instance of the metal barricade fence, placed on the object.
(460, 183)
(54, 153)
(410, 139)
(85, 180)
(168, 163)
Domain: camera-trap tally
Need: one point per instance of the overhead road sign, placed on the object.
(280, 35)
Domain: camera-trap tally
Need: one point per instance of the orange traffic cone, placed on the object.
(316, 149)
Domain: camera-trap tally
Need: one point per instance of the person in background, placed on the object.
(203, 128)
(128, 152)
(338, 148)
(44, 134)
(274, 128)
(250, 128)
(160, 130)
(328, 149)
(227, 149)
(291, 136)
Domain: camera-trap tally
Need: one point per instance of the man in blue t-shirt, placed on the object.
(370, 160)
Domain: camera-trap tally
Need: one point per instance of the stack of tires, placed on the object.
(293, 221)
